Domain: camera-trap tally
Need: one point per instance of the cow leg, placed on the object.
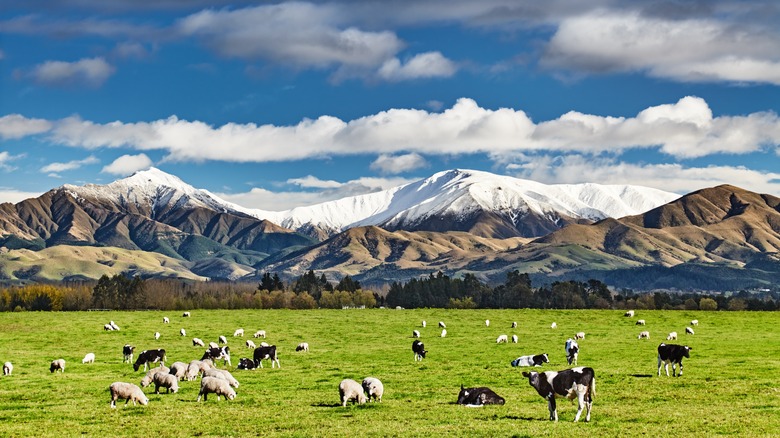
(659, 365)
(551, 407)
(666, 367)
(680, 373)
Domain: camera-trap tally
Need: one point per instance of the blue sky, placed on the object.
(278, 104)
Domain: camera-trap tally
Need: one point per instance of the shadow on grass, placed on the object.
(641, 376)
(326, 405)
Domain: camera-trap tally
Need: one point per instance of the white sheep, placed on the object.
(629, 314)
(57, 365)
(222, 340)
(88, 358)
(374, 388)
(8, 368)
(351, 390)
(443, 333)
(113, 325)
(147, 379)
(183, 332)
(178, 369)
(579, 335)
(196, 367)
(640, 322)
(167, 381)
(424, 323)
(127, 391)
(487, 323)
(250, 344)
(415, 334)
(644, 335)
(198, 342)
(221, 374)
(185, 315)
(694, 322)
(213, 345)
(238, 332)
(442, 325)
(264, 344)
(216, 386)
(514, 339)
(107, 327)
(688, 331)
(156, 335)
(260, 334)
(502, 338)
(303, 346)
(166, 320)
(672, 336)
(554, 325)
(514, 324)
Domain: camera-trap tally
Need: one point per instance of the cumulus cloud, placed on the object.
(92, 72)
(673, 177)
(14, 196)
(421, 66)
(389, 164)
(70, 165)
(17, 126)
(695, 49)
(311, 181)
(128, 164)
(685, 129)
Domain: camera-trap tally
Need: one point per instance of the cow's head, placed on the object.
(545, 359)
(687, 351)
(136, 366)
(463, 395)
(533, 378)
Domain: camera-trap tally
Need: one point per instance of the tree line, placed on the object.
(310, 291)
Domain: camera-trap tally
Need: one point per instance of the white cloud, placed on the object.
(17, 126)
(70, 165)
(673, 177)
(5, 160)
(15, 196)
(311, 181)
(686, 128)
(388, 164)
(421, 66)
(691, 50)
(127, 164)
(91, 72)
(127, 50)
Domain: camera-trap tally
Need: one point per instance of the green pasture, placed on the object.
(729, 386)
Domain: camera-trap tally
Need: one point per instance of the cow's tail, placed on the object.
(592, 388)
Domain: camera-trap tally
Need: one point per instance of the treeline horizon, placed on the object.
(310, 291)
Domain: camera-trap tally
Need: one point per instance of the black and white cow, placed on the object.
(148, 357)
(216, 353)
(672, 354)
(476, 397)
(572, 351)
(246, 363)
(266, 352)
(531, 361)
(419, 350)
(577, 382)
(127, 353)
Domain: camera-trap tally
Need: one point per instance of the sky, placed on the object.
(273, 105)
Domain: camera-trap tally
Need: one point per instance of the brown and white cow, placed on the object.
(577, 382)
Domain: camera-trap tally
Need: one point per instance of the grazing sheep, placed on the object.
(238, 332)
(514, 339)
(443, 333)
(221, 374)
(183, 332)
(644, 335)
(156, 335)
(441, 324)
(197, 342)
(222, 339)
(209, 385)
(178, 369)
(351, 390)
(57, 365)
(514, 324)
(303, 346)
(113, 325)
(147, 380)
(694, 322)
(554, 325)
(250, 344)
(579, 335)
(424, 323)
(167, 381)
(8, 368)
(374, 388)
(88, 358)
(487, 323)
(166, 320)
(127, 391)
(502, 338)
(259, 334)
(415, 334)
(213, 345)
(185, 315)
(107, 327)
(264, 344)
(629, 314)
(672, 336)
(640, 322)
(688, 331)
(196, 367)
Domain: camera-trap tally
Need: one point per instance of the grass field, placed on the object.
(729, 386)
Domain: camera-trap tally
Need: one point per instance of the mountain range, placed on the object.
(459, 221)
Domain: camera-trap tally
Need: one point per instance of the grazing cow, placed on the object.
(579, 335)
(572, 351)
(419, 350)
(672, 354)
(238, 332)
(531, 361)
(487, 323)
(303, 346)
(217, 353)
(514, 339)
(185, 315)
(268, 352)
(672, 336)
(514, 324)
(148, 357)
(577, 382)
(554, 325)
(250, 344)
(502, 338)
(644, 335)
(166, 320)
(127, 353)
(246, 363)
(694, 322)
(442, 325)
(222, 340)
(640, 322)
(629, 314)
(478, 397)
(688, 331)
(443, 333)
(415, 334)
(260, 334)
